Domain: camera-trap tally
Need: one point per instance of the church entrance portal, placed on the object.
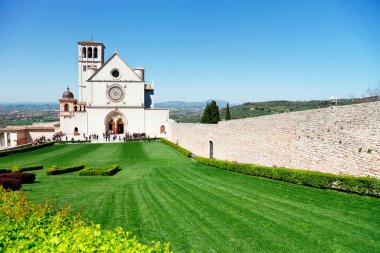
(115, 123)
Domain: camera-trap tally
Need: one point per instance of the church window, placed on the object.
(84, 52)
(162, 129)
(89, 52)
(66, 107)
(95, 52)
(115, 73)
(8, 139)
(84, 68)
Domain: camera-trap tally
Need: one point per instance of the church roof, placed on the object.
(68, 94)
(132, 73)
(90, 42)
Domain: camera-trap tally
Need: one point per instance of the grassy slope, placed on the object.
(163, 196)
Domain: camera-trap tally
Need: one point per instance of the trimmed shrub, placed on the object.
(10, 183)
(358, 185)
(107, 171)
(183, 151)
(17, 168)
(56, 169)
(24, 177)
(25, 149)
(28, 227)
(5, 171)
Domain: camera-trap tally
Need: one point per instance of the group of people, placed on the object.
(111, 135)
(40, 140)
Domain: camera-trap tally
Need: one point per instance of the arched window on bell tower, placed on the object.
(89, 52)
(84, 52)
(95, 52)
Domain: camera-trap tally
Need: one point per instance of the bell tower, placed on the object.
(90, 59)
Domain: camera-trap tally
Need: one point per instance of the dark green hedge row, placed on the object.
(27, 168)
(26, 178)
(17, 168)
(5, 171)
(358, 185)
(10, 183)
(106, 171)
(56, 169)
(25, 149)
(75, 141)
(143, 139)
(183, 151)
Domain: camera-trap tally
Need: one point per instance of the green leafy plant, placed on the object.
(27, 227)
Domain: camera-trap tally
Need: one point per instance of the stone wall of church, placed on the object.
(339, 140)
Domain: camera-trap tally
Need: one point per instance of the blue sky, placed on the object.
(194, 50)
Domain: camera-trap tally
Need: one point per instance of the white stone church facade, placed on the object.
(112, 97)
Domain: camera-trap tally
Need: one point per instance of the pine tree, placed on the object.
(206, 115)
(214, 113)
(228, 114)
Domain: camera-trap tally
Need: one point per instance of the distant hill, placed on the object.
(191, 105)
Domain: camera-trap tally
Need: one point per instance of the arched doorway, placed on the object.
(115, 122)
(120, 126)
(111, 125)
(211, 149)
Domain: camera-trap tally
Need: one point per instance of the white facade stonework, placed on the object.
(339, 140)
(112, 98)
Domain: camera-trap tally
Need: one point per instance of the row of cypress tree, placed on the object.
(211, 113)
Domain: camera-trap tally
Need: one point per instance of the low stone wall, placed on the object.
(339, 140)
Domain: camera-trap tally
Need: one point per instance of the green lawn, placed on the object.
(161, 195)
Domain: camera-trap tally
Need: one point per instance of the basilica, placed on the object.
(112, 97)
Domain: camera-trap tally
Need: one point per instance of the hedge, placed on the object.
(17, 168)
(57, 169)
(24, 177)
(25, 149)
(106, 171)
(183, 151)
(29, 227)
(5, 171)
(10, 183)
(359, 185)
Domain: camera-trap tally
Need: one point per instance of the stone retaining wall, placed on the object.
(339, 140)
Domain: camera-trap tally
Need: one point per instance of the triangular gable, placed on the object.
(115, 62)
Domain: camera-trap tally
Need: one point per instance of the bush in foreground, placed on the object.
(11, 184)
(183, 151)
(359, 185)
(56, 169)
(106, 171)
(26, 178)
(27, 227)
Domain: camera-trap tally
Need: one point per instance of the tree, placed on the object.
(375, 92)
(206, 114)
(228, 114)
(214, 113)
